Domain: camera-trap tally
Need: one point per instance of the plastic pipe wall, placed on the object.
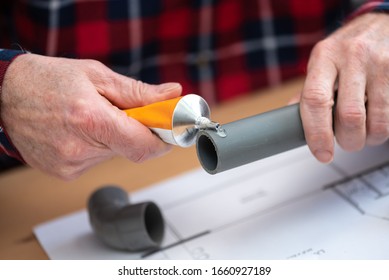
(124, 226)
(251, 139)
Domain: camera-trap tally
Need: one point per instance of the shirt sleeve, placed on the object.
(6, 146)
(371, 6)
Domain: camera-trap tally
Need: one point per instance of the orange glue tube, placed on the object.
(177, 121)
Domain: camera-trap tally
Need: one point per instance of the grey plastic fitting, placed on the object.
(121, 225)
(250, 139)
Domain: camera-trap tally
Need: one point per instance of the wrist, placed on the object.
(6, 145)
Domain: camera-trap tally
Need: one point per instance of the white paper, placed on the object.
(287, 206)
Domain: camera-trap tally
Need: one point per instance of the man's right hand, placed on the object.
(64, 115)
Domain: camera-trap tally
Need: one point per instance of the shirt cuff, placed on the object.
(371, 6)
(6, 146)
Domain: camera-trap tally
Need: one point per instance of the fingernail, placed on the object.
(166, 87)
(323, 156)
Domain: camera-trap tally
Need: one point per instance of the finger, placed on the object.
(125, 92)
(350, 116)
(316, 105)
(129, 138)
(129, 93)
(377, 111)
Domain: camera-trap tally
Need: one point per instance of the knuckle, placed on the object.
(81, 117)
(317, 98)
(67, 172)
(97, 71)
(70, 157)
(319, 138)
(379, 59)
(78, 108)
(352, 117)
(380, 62)
(94, 64)
(322, 48)
(140, 155)
(139, 91)
(315, 140)
(357, 48)
(70, 152)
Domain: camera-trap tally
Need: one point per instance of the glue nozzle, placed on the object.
(204, 123)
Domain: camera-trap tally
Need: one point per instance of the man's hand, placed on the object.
(64, 116)
(354, 60)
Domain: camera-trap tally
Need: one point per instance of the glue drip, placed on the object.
(204, 123)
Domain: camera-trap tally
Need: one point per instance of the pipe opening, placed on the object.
(206, 151)
(154, 223)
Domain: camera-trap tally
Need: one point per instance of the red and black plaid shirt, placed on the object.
(216, 48)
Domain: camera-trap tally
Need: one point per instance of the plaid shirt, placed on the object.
(216, 48)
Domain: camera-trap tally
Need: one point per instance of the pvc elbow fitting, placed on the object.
(124, 226)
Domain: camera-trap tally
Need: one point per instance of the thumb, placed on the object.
(141, 94)
(125, 92)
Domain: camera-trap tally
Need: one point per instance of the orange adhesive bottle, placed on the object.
(176, 121)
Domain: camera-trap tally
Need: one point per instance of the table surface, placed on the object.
(28, 197)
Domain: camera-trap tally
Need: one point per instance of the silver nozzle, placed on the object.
(203, 123)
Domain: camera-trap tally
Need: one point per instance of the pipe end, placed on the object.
(206, 153)
(154, 224)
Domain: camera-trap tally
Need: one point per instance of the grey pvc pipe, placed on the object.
(120, 225)
(250, 139)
